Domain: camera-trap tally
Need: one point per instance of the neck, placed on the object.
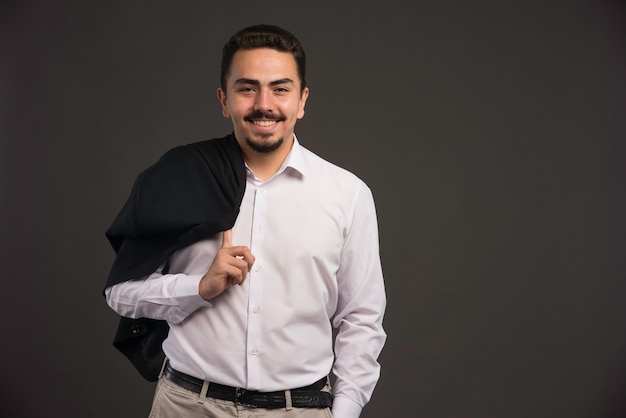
(265, 165)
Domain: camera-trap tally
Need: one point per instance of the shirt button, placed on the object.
(256, 309)
(257, 268)
(254, 352)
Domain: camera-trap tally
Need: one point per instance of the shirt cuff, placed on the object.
(186, 291)
(345, 408)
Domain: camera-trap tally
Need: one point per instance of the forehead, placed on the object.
(264, 65)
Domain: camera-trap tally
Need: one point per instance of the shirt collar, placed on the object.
(296, 161)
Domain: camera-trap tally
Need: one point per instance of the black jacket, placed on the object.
(192, 192)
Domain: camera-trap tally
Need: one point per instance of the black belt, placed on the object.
(305, 397)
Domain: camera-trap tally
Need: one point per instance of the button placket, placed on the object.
(256, 286)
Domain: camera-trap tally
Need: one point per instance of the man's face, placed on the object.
(263, 99)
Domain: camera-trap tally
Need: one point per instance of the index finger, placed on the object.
(227, 238)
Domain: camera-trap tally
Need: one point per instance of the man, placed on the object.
(251, 309)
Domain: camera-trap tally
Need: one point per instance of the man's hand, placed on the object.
(230, 267)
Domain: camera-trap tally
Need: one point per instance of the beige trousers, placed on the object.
(173, 401)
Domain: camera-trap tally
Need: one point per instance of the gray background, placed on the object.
(491, 133)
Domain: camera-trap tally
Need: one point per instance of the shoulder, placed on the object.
(214, 164)
(225, 145)
(215, 148)
(330, 172)
(182, 160)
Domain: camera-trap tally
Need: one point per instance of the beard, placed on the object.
(264, 146)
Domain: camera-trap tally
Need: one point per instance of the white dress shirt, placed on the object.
(313, 230)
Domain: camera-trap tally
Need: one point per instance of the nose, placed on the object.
(263, 100)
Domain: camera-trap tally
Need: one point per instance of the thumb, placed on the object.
(227, 238)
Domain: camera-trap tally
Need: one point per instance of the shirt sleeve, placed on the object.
(169, 297)
(360, 310)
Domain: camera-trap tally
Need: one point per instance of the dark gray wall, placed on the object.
(491, 132)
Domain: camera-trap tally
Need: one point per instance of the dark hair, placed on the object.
(263, 36)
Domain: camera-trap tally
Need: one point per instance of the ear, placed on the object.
(221, 96)
(303, 97)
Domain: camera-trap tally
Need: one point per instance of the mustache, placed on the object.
(259, 114)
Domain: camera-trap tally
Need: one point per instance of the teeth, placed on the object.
(264, 122)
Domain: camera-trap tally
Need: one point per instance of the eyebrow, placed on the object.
(256, 82)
